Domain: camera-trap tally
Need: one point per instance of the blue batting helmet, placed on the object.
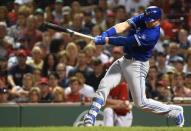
(152, 13)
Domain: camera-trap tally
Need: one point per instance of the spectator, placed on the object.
(36, 76)
(173, 51)
(183, 42)
(99, 53)
(133, 5)
(61, 71)
(178, 63)
(188, 80)
(99, 15)
(98, 73)
(57, 43)
(3, 67)
(169, 78)
(121, 14)
(151, 82)
(162, 63)
(62, 57)
(46, 94)
(30, 34)
(57, 13)
(180, 90)
(58, 95)
(4, 14)
(109, 21)
(89, 51)
(168, 27)
(15, 73)
(5, 47)
(74, 95)
(66, 11)
(13, 59)
(39, 13)
(72, 52)
(48, 16)
(53, 81)
(50, 62)
(88, 20)
(152, 61)
(83, 68)
(16, 30)
(189, 21)
(187, 66)
(163, 93)
(103, 5)
(77, 24)
(96, 30)
(14, 12)
(117, 52)
(34, 95)
(4, 95)
(86, 91)
(75, 8)
(159, 46)
(21, 93)
(36, 61)
(116, 3)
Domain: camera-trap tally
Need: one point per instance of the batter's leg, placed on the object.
(111, 79)
(135, 73)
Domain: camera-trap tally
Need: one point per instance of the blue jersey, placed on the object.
(141, 40)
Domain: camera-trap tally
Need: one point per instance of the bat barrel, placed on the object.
(66, 30)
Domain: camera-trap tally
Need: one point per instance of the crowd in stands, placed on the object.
(52, 66)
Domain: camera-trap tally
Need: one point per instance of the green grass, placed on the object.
(96, 129)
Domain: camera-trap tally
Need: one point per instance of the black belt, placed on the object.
(129, 57)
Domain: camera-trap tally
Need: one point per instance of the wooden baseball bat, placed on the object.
(48, 25)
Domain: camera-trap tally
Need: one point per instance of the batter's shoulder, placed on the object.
(152, 34)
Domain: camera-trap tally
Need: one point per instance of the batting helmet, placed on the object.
(152, 13)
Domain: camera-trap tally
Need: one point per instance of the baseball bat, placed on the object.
(48, 25)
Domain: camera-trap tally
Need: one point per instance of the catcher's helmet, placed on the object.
(152, 13)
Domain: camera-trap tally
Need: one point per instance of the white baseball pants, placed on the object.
(134, 72)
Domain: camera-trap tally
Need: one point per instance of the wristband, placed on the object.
(110, 32)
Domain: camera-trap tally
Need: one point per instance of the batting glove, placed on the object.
(104, 34)
(99, 40)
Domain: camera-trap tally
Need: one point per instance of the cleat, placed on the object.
(89, 120)
(180, 119)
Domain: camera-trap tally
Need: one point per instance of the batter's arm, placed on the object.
(121, 40)
(121, 27)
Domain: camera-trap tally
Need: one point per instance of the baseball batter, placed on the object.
(144, 32)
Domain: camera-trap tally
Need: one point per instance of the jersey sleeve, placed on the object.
(122, 41)
(136, 21)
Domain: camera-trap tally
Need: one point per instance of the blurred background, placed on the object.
(58, 72)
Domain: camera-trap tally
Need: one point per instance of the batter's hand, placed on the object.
(99, 40)
(104, 34)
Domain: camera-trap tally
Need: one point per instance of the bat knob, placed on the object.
(42, 27)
